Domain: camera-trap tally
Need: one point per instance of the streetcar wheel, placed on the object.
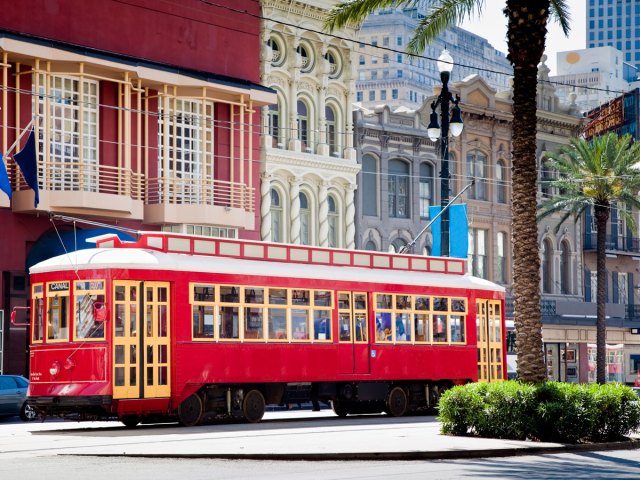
(130, 421)
(339, 408)
(190, 411)
(397, 402)
(253, 406)
(27, 413)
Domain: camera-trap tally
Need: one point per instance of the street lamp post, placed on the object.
(434, 131)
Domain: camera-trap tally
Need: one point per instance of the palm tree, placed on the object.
(600, 174)
(526, 35)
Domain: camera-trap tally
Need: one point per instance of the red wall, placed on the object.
(185, 33)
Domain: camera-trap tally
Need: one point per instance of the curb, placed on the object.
(386, 456)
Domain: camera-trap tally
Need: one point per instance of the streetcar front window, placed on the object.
(90, 311)
(58, 318)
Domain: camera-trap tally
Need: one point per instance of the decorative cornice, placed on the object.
(316, 163)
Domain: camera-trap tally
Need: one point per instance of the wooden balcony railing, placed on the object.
(203, 190)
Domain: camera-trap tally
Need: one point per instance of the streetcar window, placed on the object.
(300, 324)
(89, 316)
(457, 328)
(300, 297)
(361, 327)
(403, 302)
(439, 328)
(383, 326)
(58, 318)
(441, 304)
(360, 301)
(203, 316)
(322, 324)
(90, 309)
(253, 318)
(37, 310)
(229, 294)
(277, 296)
(422, 303)
(229, 318)
(421, 332)
(322, 298)
(254, 295)
(403, 327)
(344, 325)
(344, 301)
(277, 320)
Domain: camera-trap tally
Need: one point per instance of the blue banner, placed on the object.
(28, 163)
(458, 231)
(5, 186)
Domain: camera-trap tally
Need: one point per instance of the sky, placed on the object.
(492, 25)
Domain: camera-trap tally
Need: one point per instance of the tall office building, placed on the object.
(387, 75)
(616, 24)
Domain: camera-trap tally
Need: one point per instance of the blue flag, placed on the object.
(458, 231)
(28, 163)
(5, 186)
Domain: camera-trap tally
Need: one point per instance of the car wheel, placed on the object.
(27, 413)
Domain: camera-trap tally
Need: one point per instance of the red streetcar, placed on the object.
(195, 328)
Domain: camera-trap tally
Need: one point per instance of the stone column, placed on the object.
(323, 214)
(350, 215)
(294, 193)
(265, 206)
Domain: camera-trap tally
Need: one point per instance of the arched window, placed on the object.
(426, 187)
(547, 266)
(501, 184)
(274, 123)
(305, 218)
(369, 186)
(397, 245)
(330, 116)
(276, 217)
(565, 268)
(426, 250)
(398, 189)
(333, 222)
(371, 246)
(476, 165)
(303, 124)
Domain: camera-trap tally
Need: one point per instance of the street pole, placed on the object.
(435, 132)
(445, 175)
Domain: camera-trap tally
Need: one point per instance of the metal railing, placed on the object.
(613, 243)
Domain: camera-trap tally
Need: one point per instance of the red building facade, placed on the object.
(146, 116)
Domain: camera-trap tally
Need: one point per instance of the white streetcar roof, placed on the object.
(143, 259)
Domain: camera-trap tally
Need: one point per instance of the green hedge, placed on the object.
(551, 412)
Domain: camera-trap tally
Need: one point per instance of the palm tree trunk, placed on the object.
(526, 38)
(602, 217)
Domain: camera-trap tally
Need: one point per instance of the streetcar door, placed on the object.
(353, 332)
(141, 335)
(490, 345)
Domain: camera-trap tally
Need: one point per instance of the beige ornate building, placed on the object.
(309, 163)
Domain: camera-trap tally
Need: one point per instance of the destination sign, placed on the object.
(59, 286)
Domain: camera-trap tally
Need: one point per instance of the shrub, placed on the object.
(552, 411)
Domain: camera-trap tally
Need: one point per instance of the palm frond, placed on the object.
(560, 13)
(442, 14)
(357, 11)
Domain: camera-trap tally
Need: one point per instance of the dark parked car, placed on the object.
(13, 397)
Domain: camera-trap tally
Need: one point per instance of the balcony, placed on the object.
(81, 188)
(613, 243)
(202, 200)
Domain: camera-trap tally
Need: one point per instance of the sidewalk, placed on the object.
(301, 435)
